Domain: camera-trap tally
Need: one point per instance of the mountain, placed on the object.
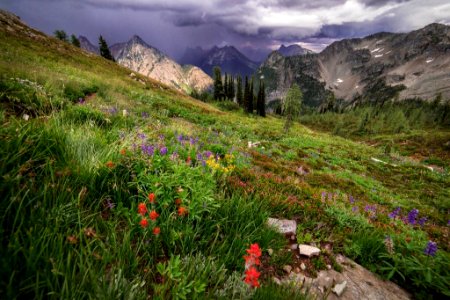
(140, 57)
(293, 50)
(377, 67)
(228, 58)
(87, 45)
(116, 48)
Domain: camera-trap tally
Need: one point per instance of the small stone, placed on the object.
(287, 269)
(26, 117)
(270, 251)
(124, 113)
(303, 266)
(297, 270)
(293, 237)
(283, 226)
(309, 250)
(339, 288)
(276, 280)
(293, 246)
(329, 267)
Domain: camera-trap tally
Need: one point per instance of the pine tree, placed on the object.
(292, 105)
(239, 95)
(225, 86)
(251, 97)
(61, 35)
(104, 50)
(218, 87)
(75, 41)
(232, 89)
(260, 103)
(246, 94)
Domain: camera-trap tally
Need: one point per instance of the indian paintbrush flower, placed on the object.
(142, 209)
(144, 223)
(156, 230)
(153, 215)
(151, 197)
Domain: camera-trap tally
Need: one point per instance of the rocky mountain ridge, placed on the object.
(394, 65)
(293, 50)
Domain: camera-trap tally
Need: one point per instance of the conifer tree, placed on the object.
(239, 95)
(225, 86)
(292, 105)
(61, 35)
(251, 97)
(218, 87)
(246, 94)
(75, 41)
(104, 50)
(260, 103)
(232, 89)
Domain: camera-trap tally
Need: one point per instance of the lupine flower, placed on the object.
(323, 196)
(412, 215)
(148, 149)
(151, 197)
(156, 230)
(144, 223)
(174, 156)
(199, 156)
(182, 211)
(163, 150)
(207, 154)
(180, 138)
(448, 223)
(142, 209)
(351, 199)
(422, 221)
(355, 208)
(142, 136)
(394, 213)
(110, 205)
(161, 137)
(251, 277)
(431, 249)
(153, 215)
(110, 164)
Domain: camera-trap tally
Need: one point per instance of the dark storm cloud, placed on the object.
(255, 26)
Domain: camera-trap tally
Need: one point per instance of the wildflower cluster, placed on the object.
(251, 261)
(431, 249)
(152, 215)
(224, 166)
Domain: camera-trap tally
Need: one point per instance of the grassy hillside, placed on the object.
(87, 148)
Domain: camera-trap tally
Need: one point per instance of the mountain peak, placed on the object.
(293, 50)
(135, 39)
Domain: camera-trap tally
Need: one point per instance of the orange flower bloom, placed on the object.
(156, 230)
(144, 223)
(110, 164)
(182, 211)
(178, 202)
(123, 151)
(153, 215)
(151, 197)
(254, 250)
(142, 209)
(188, 160)
(251, 277)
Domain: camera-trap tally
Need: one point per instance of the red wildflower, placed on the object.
(151, 197)
(123, 151)
(144, 223)
(182, 211)
(142, 209)
(251, 260)
(251, 277)
(110, 164)
(254, 250)
(188, 160)
(178, 202)
(153, 215)
(156, 230)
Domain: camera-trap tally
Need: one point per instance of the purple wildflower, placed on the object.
(180, 138)
(113, 110)
(370, 208)
(330, 197)
(412, 215)
(199, 156)
(355, 208)
(163, 150)
(448, 223)
(323, 196)
(422, 221)
(394, 213)
(142, 136)
(148, 149)
(207, 154)
(431, 249)
(81, 101)
(174, 155)
(144, 115)
(351, 199)
(161, 137)
(110, 205)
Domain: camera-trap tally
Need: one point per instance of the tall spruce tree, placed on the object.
(60, 35)
(246, 94)
(225, 86)
(104, 50)
(75, 41)
(260, 103)
(251, 97)
(218, 86)
(232, 89)
(239, 96)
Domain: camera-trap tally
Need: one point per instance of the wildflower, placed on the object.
(182, 211)
(142, 136)
(180, 190)
(178, 202)
(144, 115)
(148, 149)
(110, 205)
(163, 150)
(355, 208)
(251, 277)
(151, 197)
(412, 215)
(110, 164)
(123, 151)
(351, 199)
(431, 249)
(89, 232)
(156, 230)
(199, 156)
(254, 250)
(188, 160)
(142, 209)
(153, 215)
(161, 137)
(180, 138)
(422, 221)
(389, 243)
(323, 196)
(72, 239)
(394, 213)
(144, 223)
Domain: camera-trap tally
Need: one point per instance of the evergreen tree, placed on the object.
(232, 89)
(225, 86)
(61, 35)
(239, 95)
(260, 103)
(246, 94)
(104, 50)
(292, 105)
(251, 97)
(75, 41)
(218, 87)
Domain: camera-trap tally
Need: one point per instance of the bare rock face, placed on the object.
(283, 226)
(149, 61)
(355, 282)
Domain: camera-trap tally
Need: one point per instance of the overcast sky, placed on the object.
(253, 26)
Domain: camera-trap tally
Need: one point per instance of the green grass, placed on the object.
(72, 177)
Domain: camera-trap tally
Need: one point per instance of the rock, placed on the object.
(132, 75)
(297, 270)
(339, 288)
(329, 267)
(293, 237)
(124, 113)
(303, 266)
(309, 250)
(287, 269)
(26, 117)
(293, 246)
(276, 280)
(270, 251)
(283, 226)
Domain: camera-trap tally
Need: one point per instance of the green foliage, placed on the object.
(292, 105)
(261, 100)
(218, 85)
(75, 41)
(104, 49)
(61, 35)
(239, 95)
